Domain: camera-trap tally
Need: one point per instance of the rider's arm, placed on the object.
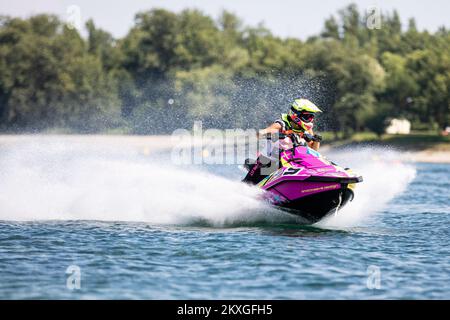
(313, 144)
(273, 128)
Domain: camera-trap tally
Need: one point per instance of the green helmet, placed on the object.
(302, 113)
(304, 105)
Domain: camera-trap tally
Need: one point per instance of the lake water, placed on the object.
(128, 225)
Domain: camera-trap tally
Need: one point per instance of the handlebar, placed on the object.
(306, 136)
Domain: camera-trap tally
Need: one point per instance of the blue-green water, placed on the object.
(175, 248)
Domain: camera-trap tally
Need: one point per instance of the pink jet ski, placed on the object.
(300, 180)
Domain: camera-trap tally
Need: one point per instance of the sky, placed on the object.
(285, 18)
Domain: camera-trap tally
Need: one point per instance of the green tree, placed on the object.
(50, 80)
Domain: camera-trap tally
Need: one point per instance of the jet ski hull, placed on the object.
(316, 206)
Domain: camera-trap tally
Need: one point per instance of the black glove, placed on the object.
(309, 137)
(317, 137)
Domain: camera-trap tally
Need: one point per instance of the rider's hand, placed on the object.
(308, 137)
(317, 137)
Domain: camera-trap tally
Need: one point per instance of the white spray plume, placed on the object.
(385, 177)
(57, 180)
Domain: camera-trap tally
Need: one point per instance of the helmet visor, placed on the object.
(306, 117)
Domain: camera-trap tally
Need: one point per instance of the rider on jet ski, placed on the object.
(299, 121)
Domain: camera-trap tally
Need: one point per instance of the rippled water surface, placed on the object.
(137, 229)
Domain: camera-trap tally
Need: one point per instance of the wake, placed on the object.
(385, 177)
(57, 180)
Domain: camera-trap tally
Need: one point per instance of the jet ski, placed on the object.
(300, 180)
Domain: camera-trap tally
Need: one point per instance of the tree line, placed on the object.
(172, 69)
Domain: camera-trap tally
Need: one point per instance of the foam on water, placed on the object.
(61, 181)
(385, 177)
(55, 181)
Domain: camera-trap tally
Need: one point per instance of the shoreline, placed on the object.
(154, 143)
(427, 156)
